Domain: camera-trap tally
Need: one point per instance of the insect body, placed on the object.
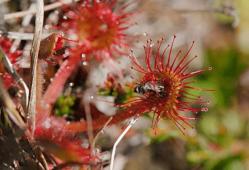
(151, 87)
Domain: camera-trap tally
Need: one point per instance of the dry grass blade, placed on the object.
(17, 35)
(11, 70)
(10, 107)
(132, 122)
(34, 61)
(89, 122)
(20, 35)
(102, 130)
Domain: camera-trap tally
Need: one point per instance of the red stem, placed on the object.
(121, 115)
(55, 88)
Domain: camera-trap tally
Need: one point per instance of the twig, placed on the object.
(34, 60)
(41, 160)
(46, 8)
(225, 10)
(97, 135)
(11, 70)
(25, 22)
(67, 164)
(17, 35)
(132, 122)
(20, 35)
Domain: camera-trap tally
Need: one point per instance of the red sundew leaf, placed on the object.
(50, 132)
(164, 87)
(98, 26)
(8, 81)
(162, 90)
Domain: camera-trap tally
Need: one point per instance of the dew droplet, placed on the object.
(145, 34)
(71, 84)
(83, 56)
(84, 63)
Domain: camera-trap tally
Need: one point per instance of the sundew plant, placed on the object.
(53, 113)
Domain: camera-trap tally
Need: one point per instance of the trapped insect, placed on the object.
(151, 87)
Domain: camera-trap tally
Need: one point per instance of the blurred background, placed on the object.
(220, 138)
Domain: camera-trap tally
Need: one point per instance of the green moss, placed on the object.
(63, 106)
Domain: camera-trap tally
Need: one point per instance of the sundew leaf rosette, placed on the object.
(163, 89)
(99, 26)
